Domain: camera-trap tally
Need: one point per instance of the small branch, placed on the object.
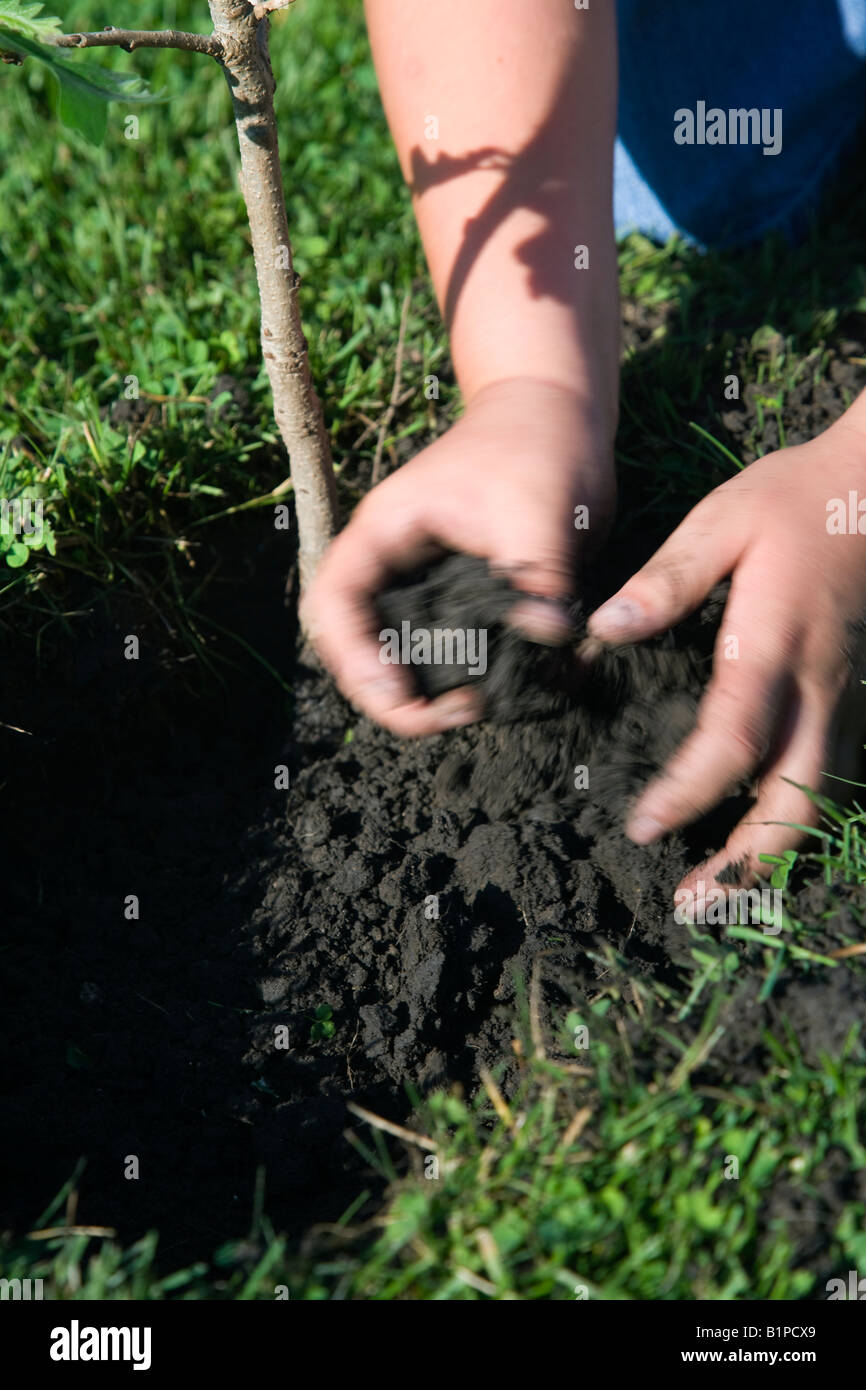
(129, 39)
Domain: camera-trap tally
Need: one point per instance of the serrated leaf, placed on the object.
(83, 87)
(83, 74)
(24, 17)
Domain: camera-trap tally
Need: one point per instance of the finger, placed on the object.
(340, 616)
(419, 718)
(547, 579)
(702, 550)
(737, 716)
(771, 827)
(544, 620)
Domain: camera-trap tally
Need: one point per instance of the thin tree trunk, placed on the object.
(246, 62)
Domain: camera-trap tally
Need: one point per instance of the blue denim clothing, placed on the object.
(805, 58)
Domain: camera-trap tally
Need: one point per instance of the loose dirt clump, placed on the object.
(407, 887)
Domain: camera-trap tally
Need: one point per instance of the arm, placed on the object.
(525, 100)
(520, 175)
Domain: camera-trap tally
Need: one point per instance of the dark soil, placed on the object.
(408, 886)
(808, 407)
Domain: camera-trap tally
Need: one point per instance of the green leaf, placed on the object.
(615, 1202)
(83, 86)
(228, 340)
(698, 1207)
(784, 864)
(24, 18)
(81, 112)
(311, 246)
(16, 555)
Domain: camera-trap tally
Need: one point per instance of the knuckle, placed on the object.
(685, 804)
(670, 573)
(550, 575)
(749, 740)
(743, 727)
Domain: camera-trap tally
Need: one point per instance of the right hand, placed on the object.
(502, 484)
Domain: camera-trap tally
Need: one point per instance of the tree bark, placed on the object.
(130, 39)
(298, 412)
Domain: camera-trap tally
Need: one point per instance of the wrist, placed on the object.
(562, 329)
(591, 415)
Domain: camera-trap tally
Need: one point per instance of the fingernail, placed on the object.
(616, 619)
(456, 709)
(643, 830)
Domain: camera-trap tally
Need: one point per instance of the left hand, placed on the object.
(784, 650)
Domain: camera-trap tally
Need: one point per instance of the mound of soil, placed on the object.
(408, 887)
(426, 876)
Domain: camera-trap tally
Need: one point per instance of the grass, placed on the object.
(133, 262)
(633, 1177)
(636, 1166)
(128, 268)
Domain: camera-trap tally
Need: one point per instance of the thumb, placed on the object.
(704, 548)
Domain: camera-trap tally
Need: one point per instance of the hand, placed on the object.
(502, 484)
(784, 648)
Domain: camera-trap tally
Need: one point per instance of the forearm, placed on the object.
(519, 176)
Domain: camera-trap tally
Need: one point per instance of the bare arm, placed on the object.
(503, 112)
(524, 95)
